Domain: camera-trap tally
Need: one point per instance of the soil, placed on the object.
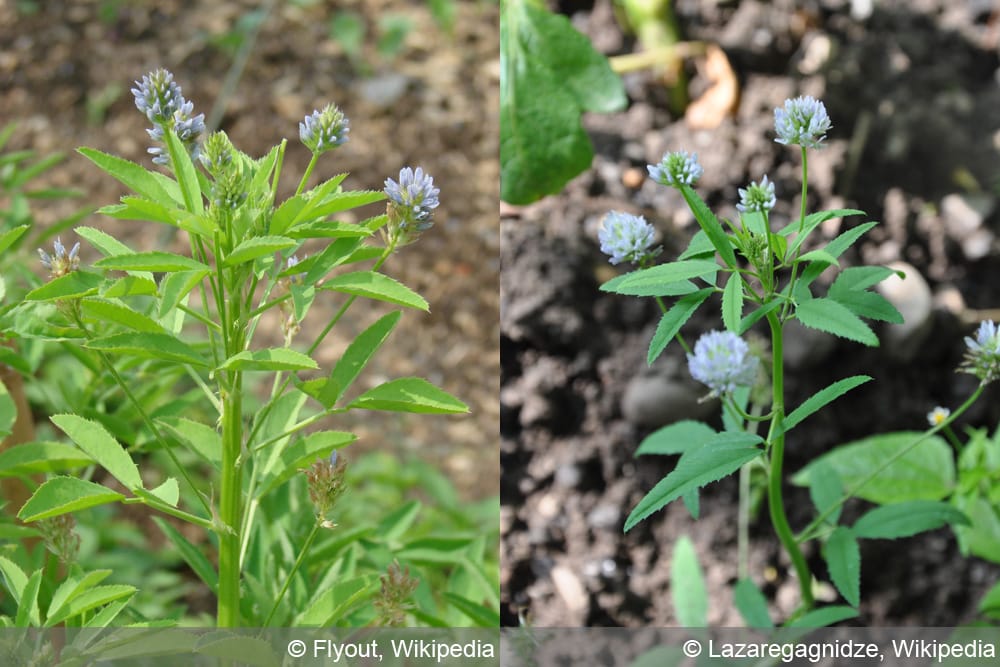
(65, 73)
(912, 89)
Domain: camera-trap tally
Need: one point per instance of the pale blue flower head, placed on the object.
(158, 96)
(626, 238)
(676, 168)
(722, 360)
(412, 200)
(324, 130)
(60, 262)
(757, 197)
(982, 358)
(803, 121)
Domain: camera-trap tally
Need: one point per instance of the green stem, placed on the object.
(229, 507)
(295, 568)
(802, 225)
(776, 438)
(307, 174)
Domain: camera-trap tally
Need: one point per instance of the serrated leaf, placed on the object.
(751, 604)
(374, 285)
(757, 314)
(200, 438)
(331, 605)
(820, 256)
(871, 305)
(687, 586)
(61, 495)
(176, 286)
(274, 359)
(858, 278)
(95, 440)
(13, 576)
(10, 237)
(74, 586)
(679, 288)
(676, 438)
(337, 202)
(137, 285)
(73, 285)
(699, 247)
(480, 614)
(150, 261)
(357, 355)
(732, 303)
(28, 613)
(163, 347)
(905, 519)
(35, 457)
(697, 468)
(329, 229)
(169, 492)
(132, 175)
(184, 172)
(673, 320)
(829, 316)
(649, 282)
(843, 559)
(811, 222)
(822, 398)
(117, 312)
(710, 225)
(409, 395)
(191, 554)
(91, 599)
(825, 490)
(257, 246)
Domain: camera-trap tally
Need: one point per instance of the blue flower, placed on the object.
(982, 358)
(412, 200)
(676, 169)
(626, 238)
(324, 130)
(803, 121)
(722, 360)
(60, 262)
(757, 197)
(160, 99)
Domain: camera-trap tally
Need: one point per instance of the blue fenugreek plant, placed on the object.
(184, 338)
(769, 276)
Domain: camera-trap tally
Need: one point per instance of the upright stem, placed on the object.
(230, 505)
(776, 438)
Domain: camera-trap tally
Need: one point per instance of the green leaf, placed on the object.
(332, 604)
(35, 457)
(990, 604)
(925, 472)
(480, 614)
(274, 359)
(169, 492)
(91, 599)
(133, 176)
(696, 468)
(149, 346)
(137, 285)
(732, 303)
(378, 286)
(409, 395)
(176, 286)
(871, 305)
(14, 578)
(821, 618)
(710, 225)
(843, 559)
(61, 495)
(329, 229)
(8, 414)
(150, 261)
(257, 246)
(687, 586)
(28, 613)
(825, 490)
(72, 587)
(700, 247)
(392, 527)
(858, 278)
(751, 604)
(94, 439)
(822, 398)
(184, 172)
(837, 246)
(549, 75)
(820, 256)
(73, 285)
(679, 288)
(301, 454)
(10, 237)
(652, 281)
(357, 355)
(677, 438)
(673, 320)
(757, 314)
(191, 554)
(811, 222)
(117, 312)
(905, 519)
(829, 316)
(336, 202)
(199, 438)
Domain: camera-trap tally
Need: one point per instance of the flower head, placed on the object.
(803, 121)
(722, 360)
(60, 262)
(982, 358)
(676, 168)
(324, 130)
(626, 238)
(411, 202)
(936, 416)
(326, 485)
(757, 197)
(392, 603)
(160, 99)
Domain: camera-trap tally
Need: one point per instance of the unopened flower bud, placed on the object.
(324, 130)
(676, 168)
(326, 484)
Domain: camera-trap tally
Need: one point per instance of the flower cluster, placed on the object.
(326, 485)
(159, 97)
(756, 197)
(722, 360)
(676, 168)
(627, 238)
(982, 358)
(411, 203)
(60, 262)
(397, 587)
(60, 537)
(802, 121)
(324, 130)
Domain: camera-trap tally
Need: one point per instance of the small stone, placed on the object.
(633, 177)
(964, 214)
(604, 517)
(950, 298)
(570, 588)
(568, 475)
(913, 299)
(651, 401)
(384, 90)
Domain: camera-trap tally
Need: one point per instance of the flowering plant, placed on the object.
(182, 337)
(770, 276)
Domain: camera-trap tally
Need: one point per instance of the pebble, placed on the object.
(604, 517)
(570, 588)
(651, 401)
(384, 90)
(913, 299)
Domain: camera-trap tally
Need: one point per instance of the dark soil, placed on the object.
(912, 89)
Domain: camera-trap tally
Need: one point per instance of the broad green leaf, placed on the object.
(8, 414)
(478, 613)
(132, 175)
(95, 440)
(820, 256)
(11, 358)
(28, 613)
(700, 247)
(315, 199)
(176, 286)
(137, 285)
(300, 455)
(751, 604)
(822, 398)
(332, 604)
(825, 490)
(91, 599)
(117, 312)
(14, 578)
(257, 246)
(329, 229)
(829, 316)
(906, 519)
(10, 237)
(274, 359)
(74, 586)
(710, 225)
(337, 202)
(982, 538)
(549, 75)
(811, 222)
(858, 278)
(61, 495)
(139, 208)
(843, 559)
(191, 554)
(36, 457)
(679, 288)
(73, 285)
(673, 320)
(378, 286)
(148, 346)
(357, 355)
(732, 303)
(150, 261)
(169, 492)
(687, 586)
(845, 240)
(199, 438)
(184, 172)
(924, 471)
(409, 395)
(821, 618)
(337, 253)
(696, 468)
(677, 438)
(869, 304)
(649, 282)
